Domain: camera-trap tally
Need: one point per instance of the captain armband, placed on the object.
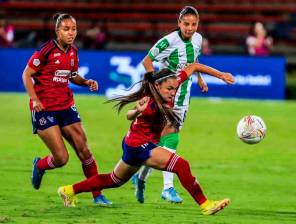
(73, 74)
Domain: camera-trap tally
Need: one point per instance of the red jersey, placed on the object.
(53, 69)
(148, 126)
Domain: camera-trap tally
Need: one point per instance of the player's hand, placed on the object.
(142, 104)
(92, 84)
(202, 84)
(227, 77)
(37, 106)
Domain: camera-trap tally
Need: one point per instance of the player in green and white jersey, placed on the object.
(174, 51)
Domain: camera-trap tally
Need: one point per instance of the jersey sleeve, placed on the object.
(157, 52)
(36, 61)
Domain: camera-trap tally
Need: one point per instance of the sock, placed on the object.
(46, 163)
(98, 182)
(90, 169)
(144, 173)
(168, 180)
(169, 142)
(181, 167)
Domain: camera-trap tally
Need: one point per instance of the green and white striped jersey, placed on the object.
(174, 53)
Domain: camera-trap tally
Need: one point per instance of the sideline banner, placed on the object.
(255, 77)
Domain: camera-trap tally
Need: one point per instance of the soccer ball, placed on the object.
(251, 129)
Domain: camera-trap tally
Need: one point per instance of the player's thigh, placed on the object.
(124, 171)
(75, 135)
(53, 139)
(159, 158)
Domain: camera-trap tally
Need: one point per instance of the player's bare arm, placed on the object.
(28, 83)
(197, 67)
(202, 84)
(147, 63)
(80, 81)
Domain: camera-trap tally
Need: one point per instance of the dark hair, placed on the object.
(59, 17)
(188, 10)
(148, 89)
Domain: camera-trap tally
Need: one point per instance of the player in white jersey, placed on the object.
(174, 51)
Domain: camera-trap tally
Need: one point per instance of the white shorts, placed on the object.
(181, 113)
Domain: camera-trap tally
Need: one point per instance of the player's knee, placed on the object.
(61, 159)
(84, 153)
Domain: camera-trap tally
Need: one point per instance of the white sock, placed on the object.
(168, 177)
(168, 180)
(144, 172)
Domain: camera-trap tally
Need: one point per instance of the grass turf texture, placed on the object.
(259, 179)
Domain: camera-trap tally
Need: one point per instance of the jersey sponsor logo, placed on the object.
(56, 54)
(36, 62)
(62, 73)
(72, 62)
(61, 76)
(181, 66)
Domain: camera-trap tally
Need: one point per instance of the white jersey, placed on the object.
(175, 53)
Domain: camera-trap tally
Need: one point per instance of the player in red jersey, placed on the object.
(54, 115)
(153, 110)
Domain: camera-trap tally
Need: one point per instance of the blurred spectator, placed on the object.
(95, 37)
(205, 48)
(258, 43)
(6, 33)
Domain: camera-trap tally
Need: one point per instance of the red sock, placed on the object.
(90, 169)
(47, 163)
(181, 167)
(98, 182)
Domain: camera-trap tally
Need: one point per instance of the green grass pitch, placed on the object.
(259, 179)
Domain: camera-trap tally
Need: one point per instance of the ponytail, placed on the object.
(148, 89)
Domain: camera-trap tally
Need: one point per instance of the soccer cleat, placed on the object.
(140, 188)
(102, 200)
(36, 174)
(134, 180)
(68, 195)
(171, 195)
(212, 207)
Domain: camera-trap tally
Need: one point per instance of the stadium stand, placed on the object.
(135, 24)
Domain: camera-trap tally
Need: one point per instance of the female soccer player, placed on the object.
(54, 114)
(151, 113)
(174, 51)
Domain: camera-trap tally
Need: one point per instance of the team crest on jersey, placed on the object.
(72, 53)
(57, 62)
(36, 62)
